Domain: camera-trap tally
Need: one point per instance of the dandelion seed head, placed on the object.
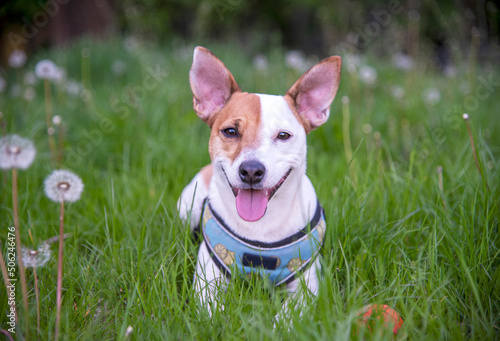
(16, 152)
(403, 62)
(56, 120)
(29, 94)
(368, 75)
(36, 258)
(63, 185)
(367, 128)
(17, 59)
(414, 15)
(51, 131)
(296, 60)
(465, 87)
(16, 90)
(397, 92)
(59, 76)
(432, 96)
(118, 67)
(86, 52)
(352, 62)
(183, 53)
(450, 71)
(73, 88)
(86, 95)
(46, 69)
(131, 44)
(97, 313)
(29, 78)
(465, 116)
(260, 62)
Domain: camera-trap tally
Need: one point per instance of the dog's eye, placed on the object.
(230, 132)
(283, 136)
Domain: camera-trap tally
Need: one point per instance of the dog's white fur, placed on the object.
(294, 204)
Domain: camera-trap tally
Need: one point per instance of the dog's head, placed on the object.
(258, 142)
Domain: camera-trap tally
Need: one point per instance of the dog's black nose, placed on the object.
(252, 172)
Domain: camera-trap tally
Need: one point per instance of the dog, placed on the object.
(254, 206)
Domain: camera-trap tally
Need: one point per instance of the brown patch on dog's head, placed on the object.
(242, 113)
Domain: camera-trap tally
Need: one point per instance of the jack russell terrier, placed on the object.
(254, 206)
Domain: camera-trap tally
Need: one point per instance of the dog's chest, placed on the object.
(279, 262)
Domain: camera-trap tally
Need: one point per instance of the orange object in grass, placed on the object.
(378, 311)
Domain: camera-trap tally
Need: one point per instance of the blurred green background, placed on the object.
(442, 31)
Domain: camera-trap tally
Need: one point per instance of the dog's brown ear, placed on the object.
(211, 82)
(313, 93)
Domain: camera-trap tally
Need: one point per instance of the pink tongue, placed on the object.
(251, 204)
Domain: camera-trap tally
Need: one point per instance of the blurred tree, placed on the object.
(317, 27)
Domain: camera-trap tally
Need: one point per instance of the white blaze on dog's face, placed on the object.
(258, 142)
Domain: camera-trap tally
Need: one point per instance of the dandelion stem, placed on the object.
(37, 302)
(37, 296)
(48, 116)
(347, 137)
(473, 146)
(441, 186)
(60, 145)
(22, 275)
(48, 103)
(59, 270)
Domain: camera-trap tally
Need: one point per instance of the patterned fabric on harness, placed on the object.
(279, 261)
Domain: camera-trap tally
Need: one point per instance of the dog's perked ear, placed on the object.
(211, 82)
(313, 93)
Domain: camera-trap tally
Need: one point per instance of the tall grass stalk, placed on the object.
(37, 297)
(22, 274)
(48, 118)
(346, 128)
(37, 292)
(59, 270)
(473, 146)
(441, 187)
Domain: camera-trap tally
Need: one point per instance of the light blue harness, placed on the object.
(279, 261)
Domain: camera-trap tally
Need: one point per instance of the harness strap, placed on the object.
(279, 261)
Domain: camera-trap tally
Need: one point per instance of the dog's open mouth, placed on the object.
(251, 203)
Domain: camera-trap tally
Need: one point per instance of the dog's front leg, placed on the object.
(208, 280)
(300, 291)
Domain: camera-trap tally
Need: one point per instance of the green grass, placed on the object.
(393, 236)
